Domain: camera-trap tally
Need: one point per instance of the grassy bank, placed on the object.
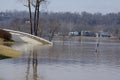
(8, 52)
(6, 39)
(2, 42)
(1, 79)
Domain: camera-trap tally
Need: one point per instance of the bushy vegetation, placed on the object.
(5, 35)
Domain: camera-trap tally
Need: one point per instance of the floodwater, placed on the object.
(68, 60)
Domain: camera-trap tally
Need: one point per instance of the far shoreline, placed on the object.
(62, 38)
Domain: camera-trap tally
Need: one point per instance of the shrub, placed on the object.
(5, 35)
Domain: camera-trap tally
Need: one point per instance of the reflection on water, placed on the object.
(71, 60)
(34, 64)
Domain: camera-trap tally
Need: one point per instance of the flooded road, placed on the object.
(69, 60)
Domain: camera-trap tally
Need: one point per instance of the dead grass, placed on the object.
(2, 42)
(1, 79)
(8, 52)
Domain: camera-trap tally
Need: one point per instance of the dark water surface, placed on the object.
(71, 60)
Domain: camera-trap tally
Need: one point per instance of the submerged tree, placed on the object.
(30, 14)
(35, 19)
(36, 4)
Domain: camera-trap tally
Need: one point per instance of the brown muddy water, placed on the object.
(68, 60)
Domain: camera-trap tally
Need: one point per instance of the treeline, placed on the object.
(63, 23)
(87, 21)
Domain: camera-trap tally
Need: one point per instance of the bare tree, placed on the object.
(16, 24)
(53, 26)
(30, 14)
(36, 5)
(28, 4)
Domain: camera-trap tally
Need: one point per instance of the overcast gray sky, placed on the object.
(92, 6)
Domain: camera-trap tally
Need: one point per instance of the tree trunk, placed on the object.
(30, 15)
(35, 17)
(37, 24)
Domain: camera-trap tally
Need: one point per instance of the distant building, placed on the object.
(74, 33)
(2, 14)
(88, 33)
(104, 34)
(27, 21)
